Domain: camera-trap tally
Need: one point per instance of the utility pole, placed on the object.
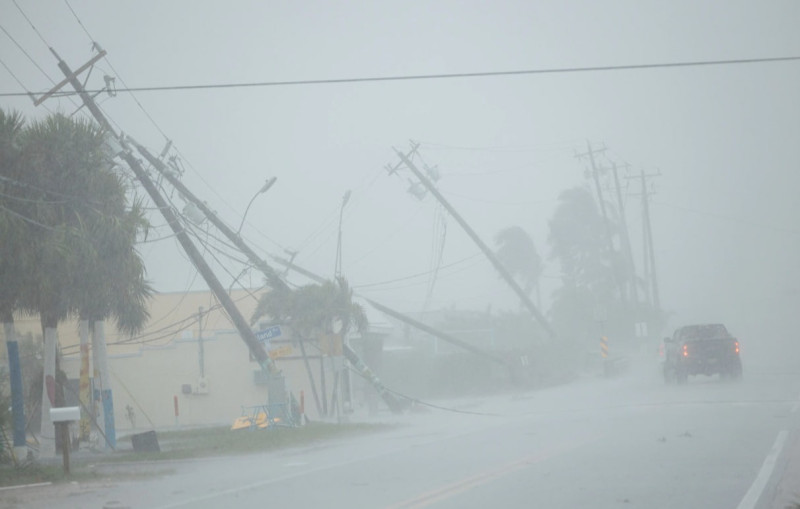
(649, 239)
(400, 316)
(174, 223)
(595, 174)
(626, 239)
(264, 267)
(201, 357)
(649, 258)
(474, 236)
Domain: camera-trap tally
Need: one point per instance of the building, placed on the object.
(189, 366)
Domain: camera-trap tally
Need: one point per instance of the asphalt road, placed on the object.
(600, 443)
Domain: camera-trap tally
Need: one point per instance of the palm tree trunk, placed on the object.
(15, 374)
(310, 377)
(102, 389)
(85, 397)
(47, 434)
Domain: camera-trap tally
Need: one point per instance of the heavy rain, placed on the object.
(399, 255)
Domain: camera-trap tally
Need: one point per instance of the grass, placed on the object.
(34, 473)
(186, 444)
(219, 441)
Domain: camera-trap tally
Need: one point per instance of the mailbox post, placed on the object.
(61, 418)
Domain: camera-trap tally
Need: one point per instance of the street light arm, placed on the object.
(263, 190)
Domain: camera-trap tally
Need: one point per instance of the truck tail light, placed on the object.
(736, 347)
(686, 350)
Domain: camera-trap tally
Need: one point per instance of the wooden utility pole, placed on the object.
(267, 270)
(625, 234)
(649, 240)
(474, 236)
(649, 257)
(194, 255)
(602, 202)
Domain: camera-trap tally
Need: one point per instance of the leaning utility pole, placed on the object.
(625, 234)
(174, 223)
(609, 237)
(647, 239)
(400, 316)
(474, 236)
(265, 268)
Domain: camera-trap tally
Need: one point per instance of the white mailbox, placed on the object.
(65, 414)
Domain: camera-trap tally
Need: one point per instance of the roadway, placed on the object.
(602, 443)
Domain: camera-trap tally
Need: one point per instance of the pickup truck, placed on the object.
(705, 349)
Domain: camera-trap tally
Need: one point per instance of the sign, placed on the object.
(281, 351)
(264, 335)
(604, 347)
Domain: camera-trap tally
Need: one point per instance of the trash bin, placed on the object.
(145, 442)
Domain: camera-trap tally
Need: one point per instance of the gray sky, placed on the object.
(725, 209)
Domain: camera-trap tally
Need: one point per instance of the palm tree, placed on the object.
(588, 303)
(84, 253)
(314, 312)
(12, 224)
(517, 252)
(110, 283)
(577, 241)
(13, 260)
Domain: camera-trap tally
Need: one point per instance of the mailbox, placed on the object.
(65, 414)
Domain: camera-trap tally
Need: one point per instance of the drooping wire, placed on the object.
(31, 23)
(443, 76)
(18, 45)
(116, 73)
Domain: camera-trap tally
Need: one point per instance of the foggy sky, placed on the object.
(724, 138)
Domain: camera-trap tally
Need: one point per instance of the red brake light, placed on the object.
(686, 350)
(736, 347)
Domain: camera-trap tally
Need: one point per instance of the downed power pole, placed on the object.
(526, 300)
(247, 334)
(404, 318)
(272, 277)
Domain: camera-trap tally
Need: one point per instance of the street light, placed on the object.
(342, 374)
(338, 269)
(263, 190)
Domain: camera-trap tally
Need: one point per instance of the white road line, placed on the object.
(754, 493)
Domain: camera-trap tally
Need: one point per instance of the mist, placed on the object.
(695, 102)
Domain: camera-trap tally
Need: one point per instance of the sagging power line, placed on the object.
(441, 76)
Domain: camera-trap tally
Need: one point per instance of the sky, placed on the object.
(722, 139)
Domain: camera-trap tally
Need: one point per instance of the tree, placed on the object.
(577, 241)
(313, 309)
(517, 252)
(314, 312)
(13, 227)
(79, 237)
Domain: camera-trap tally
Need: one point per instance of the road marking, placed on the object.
(458, 487)
(754, 493)
(35, 485)
(286, 477)
(455, 488)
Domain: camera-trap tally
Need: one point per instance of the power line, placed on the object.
(418, 77)
(419, 274)
(30, 23)
(14, 75)
(19, 46)
(133, 96)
